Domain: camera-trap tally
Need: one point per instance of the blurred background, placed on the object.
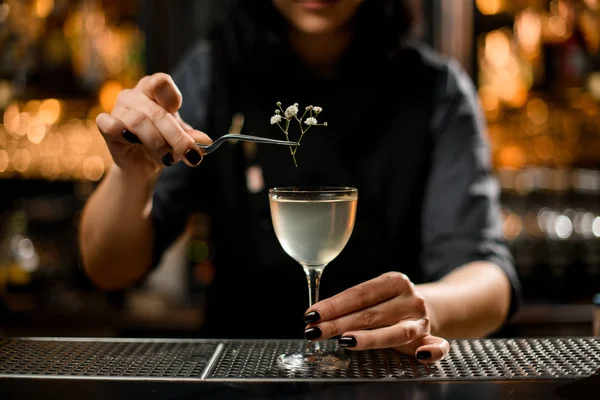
(536, 64)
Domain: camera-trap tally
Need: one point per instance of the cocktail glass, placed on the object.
(313, 226)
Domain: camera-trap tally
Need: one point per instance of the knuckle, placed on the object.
(410, 333)
(157, 113)
(368, 319)
(160, 80)
(419, 304)
(399, 280)
(359, 295)
(426, 324)
(407, 333)
(136, 118)
(331, 328)
(123, 95)
(181, 141)
(145, 80)
(157, 143)
(329, 309)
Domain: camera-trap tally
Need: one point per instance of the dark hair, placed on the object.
(389, 22)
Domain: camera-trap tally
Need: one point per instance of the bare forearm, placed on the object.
(472, 301)
(116, 231)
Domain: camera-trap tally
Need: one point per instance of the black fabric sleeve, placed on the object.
(462, 219)
(177, 192)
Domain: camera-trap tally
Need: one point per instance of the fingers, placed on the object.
(138, 126)
(156, 128)
(161, 89)
(428, 349)
(110, 127)
(400, 334)
(366, 294)
(432, 349)
(383, 314)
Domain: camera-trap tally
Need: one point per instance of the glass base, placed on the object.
(321, 360)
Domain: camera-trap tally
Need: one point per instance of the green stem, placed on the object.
(301, 136)
(292, 151)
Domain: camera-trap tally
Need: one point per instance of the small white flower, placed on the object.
(275, 119)
(291, 111)
(310, 121)
(277, 112)
(317, 109)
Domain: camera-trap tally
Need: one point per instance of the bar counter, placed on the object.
(91, 368)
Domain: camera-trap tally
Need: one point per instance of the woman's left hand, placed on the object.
(385, 312)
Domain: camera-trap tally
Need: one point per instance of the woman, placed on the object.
(426, 259)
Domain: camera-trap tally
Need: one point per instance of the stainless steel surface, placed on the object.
(212, 360)
(161, 359)
(209, 148)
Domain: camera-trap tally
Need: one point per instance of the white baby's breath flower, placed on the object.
(310, 121)
(291, 111)
(317, 109)
(275, 119)
(277, 112)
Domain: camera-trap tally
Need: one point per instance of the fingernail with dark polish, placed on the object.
(347, 341)
(312, 316)
(168, 159)
(312, 333)
(193, 156)
(131, 137)
(423, 355)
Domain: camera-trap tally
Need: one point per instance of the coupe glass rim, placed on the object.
(312, 189)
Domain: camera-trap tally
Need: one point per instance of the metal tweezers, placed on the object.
(209, 148)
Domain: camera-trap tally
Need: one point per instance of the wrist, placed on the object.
(428, 292)
(134, 180)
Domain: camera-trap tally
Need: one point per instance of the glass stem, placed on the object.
(313, 276)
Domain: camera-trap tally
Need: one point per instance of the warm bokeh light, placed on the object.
(513, 92)
(43, 8)
(497, 48)
(49, 111)
(24, 119)
(32, 107)
(592, 4)
(21, 160)
(537, 111)
(4, 160)
(489, 7)
(93, 168)
(108, 95)
(95, 22)
(51, 133)
(11, 118)
(543, 147)
(528, 28)
(512, 227)
(489, 98)
(557, 26)
(50, 168)
(512, 157)
(6, 92)
(36, 130)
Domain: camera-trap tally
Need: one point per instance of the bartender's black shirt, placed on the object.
(405, 130)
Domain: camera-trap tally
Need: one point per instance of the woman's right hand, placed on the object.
(144, 131)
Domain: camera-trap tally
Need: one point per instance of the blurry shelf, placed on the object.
(104, 323)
